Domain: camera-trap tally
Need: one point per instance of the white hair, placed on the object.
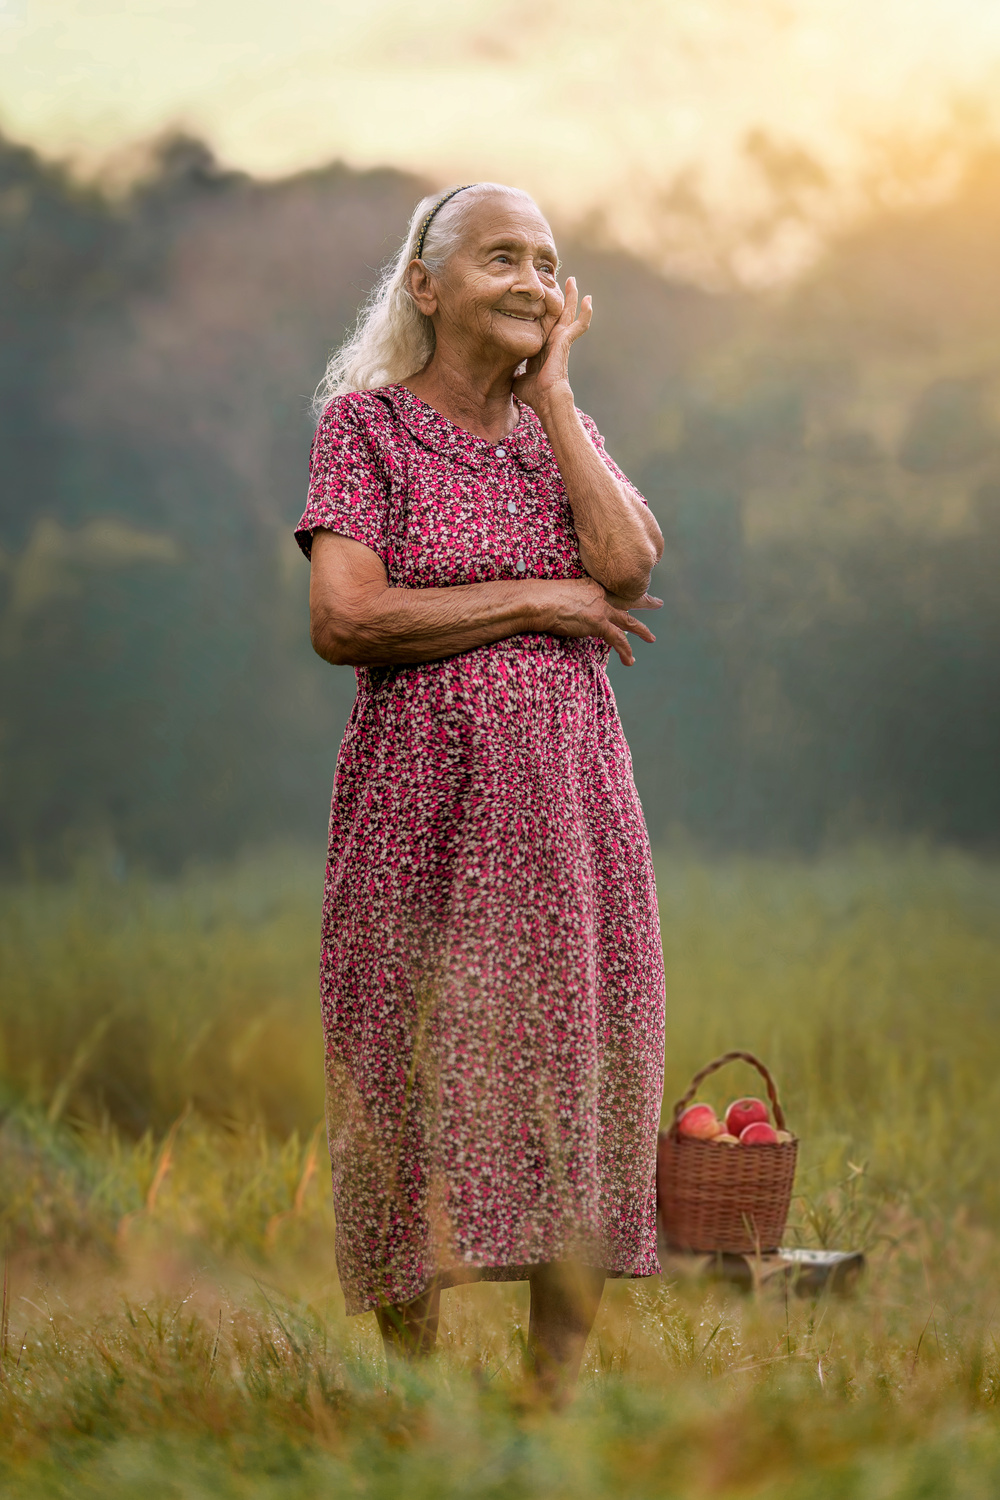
(392, 337)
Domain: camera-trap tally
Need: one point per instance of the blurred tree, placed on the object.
(824, 459)
(949, 427)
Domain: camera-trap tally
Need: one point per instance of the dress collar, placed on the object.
(526, 443)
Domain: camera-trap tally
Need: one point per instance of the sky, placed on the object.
(596, 106)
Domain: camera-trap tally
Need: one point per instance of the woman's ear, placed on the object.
(420, 285)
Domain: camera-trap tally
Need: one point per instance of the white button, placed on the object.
(501, 453)
(520, 567)
(512, 507)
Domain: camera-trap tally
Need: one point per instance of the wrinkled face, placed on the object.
(498, 293)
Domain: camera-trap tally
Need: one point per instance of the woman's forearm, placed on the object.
(619, 539)
(379, 626)
(358, 620)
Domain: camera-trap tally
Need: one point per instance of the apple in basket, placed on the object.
(759, 1133)
(744, 1112)
(700, 1123)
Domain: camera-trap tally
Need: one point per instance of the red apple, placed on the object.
(759, 1133)
(700, 1122)
(744, 1112)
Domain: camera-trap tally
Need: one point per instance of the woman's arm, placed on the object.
(620, 542)
(357, 619)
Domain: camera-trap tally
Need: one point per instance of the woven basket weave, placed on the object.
(724, 1198)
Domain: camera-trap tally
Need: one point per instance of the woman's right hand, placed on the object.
(581, 606)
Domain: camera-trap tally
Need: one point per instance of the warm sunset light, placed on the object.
(585, 104)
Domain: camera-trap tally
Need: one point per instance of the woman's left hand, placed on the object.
(548, 371)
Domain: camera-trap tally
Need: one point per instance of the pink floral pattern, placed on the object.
(491, 973)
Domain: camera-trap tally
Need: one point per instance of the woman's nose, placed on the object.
(528, 280)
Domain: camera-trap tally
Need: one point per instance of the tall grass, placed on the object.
(173, 1325)
(130, 1000)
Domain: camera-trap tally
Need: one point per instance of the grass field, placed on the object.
(172, 1325)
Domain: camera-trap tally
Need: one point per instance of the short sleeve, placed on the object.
(590, 426)
(348, 482)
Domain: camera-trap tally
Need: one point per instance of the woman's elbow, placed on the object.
(630, 577)
(629, 587)
(333, 640)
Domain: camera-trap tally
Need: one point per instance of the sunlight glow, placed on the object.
(592, 107)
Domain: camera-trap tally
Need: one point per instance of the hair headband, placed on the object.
(427, 219)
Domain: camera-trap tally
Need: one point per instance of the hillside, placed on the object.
(825, 461)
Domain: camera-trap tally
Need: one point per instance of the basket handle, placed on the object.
(720, 1062)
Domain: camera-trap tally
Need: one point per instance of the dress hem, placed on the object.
(467, 1275)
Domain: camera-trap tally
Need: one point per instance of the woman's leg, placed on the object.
(409, 1329)
(565, 1297)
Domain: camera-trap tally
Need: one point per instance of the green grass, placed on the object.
(173, 1323)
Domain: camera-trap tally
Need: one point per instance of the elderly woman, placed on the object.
(491, 977)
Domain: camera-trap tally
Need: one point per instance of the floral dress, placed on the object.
(491, 972)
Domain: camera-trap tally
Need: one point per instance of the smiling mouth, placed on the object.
(519, 317)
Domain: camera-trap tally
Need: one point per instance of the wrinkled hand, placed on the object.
(548, 370)
(581, 606)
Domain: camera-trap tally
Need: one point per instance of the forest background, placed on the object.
(824, 457)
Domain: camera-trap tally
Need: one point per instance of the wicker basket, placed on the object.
(724, 1198)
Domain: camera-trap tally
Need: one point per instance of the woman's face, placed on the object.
(498, 293)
